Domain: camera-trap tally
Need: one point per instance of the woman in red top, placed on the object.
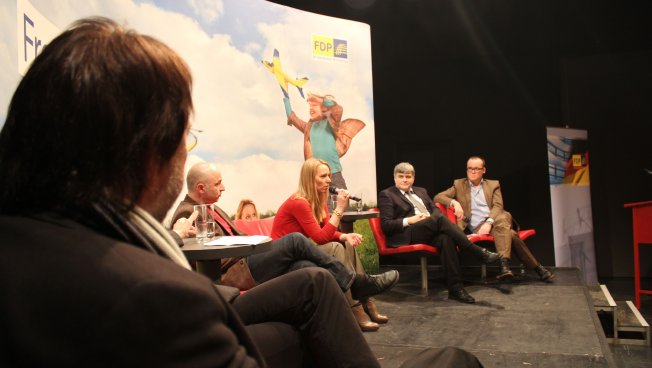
(305, 212)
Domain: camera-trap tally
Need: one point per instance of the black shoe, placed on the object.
(461, 295)
(489, 257)
(505, 272)
(365, 286)
(544, 274)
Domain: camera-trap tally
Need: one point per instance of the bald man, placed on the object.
(288, 253)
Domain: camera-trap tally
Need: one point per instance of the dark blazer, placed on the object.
(235, 271)
(185, 209)
(73, 297)
(394, 207)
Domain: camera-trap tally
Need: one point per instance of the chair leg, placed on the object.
(424, 276)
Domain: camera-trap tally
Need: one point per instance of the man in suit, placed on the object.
(91, 159)
(409, 216)
(478, 205)
(288, 253)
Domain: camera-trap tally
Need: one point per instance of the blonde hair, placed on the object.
(241, 206)
(307, 188)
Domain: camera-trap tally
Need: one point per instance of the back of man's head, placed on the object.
(99, 109)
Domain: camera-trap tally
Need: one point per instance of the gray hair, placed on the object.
(404, 168)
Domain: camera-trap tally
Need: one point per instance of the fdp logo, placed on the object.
(328, 47)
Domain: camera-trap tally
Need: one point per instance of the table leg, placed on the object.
(346, 226)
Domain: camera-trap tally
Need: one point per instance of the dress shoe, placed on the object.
(489, 257)
(363, 319)
(365, 286)
(505, 272)
(369, 306)
(461, 295)
(544, 274)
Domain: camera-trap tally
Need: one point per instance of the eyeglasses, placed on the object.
(474, 169)
(191, 139)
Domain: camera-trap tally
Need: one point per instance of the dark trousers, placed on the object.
(443, 358)
(311, 301)
(292, 252)
(439, 231)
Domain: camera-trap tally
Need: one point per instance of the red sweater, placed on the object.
(295, 216)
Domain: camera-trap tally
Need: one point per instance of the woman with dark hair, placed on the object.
(305, 212)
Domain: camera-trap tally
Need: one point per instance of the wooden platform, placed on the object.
(527, 323)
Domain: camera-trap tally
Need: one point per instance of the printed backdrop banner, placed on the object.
(570, 195)
(251, 60)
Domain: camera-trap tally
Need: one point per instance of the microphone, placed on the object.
(334, 190)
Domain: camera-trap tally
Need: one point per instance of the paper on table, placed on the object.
(239, 240)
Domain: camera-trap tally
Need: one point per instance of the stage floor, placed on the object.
(527, 323)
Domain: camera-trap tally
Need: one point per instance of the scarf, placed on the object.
(140, 228)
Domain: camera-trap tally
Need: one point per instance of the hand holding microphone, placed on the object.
(334, 190)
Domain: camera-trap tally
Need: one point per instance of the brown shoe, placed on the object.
(370, 307)
(363, 319)
(544, 275)
(505, 273)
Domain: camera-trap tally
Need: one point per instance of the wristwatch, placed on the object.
(489, 220)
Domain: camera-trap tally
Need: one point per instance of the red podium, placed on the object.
(642, 221)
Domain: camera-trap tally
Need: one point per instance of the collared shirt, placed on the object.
(416, 198)
(479, 207)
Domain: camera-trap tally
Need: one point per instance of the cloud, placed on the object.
(207, 10)
(238, 103)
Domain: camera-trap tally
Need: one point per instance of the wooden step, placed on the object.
(632, 329)
(605, 307)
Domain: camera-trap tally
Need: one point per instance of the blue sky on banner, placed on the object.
(238, 103)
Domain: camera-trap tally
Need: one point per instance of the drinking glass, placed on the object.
(210, 229)
(333, 202)
(203, 217)
(359, 205)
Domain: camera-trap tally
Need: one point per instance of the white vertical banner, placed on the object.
(570, 195)
(33, 32)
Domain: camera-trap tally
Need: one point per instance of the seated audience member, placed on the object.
(91, 158)
(288, 253)
(478, 205)
(305, 212)
(247, 211)
(409, 216)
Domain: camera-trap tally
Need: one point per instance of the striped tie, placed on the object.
(410, 196)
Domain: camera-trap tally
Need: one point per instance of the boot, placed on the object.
(365, 285)
(489, 257)
(505, 272)
(544, 274)
(363, 319)
(369, 306)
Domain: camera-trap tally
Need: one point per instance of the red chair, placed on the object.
(420, 250)
(257, 227)
(475, 238)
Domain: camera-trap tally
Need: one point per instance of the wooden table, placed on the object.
(349, 217)
(208, 257)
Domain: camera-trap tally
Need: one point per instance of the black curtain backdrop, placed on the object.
(454, 78)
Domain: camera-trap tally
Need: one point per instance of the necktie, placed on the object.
(220, 220)
(416, 203)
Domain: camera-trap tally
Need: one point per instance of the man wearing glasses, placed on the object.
(478, 205)
(409, 216)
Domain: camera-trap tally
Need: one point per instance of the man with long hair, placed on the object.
(91, 158)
